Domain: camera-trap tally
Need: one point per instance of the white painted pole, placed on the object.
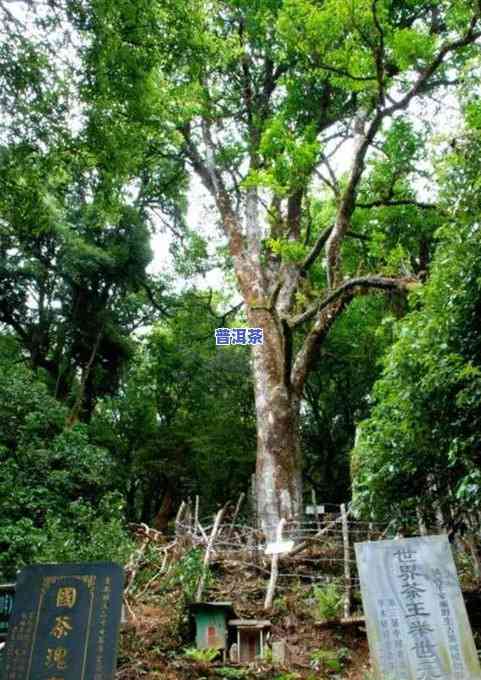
(274, 568)
(347, 563)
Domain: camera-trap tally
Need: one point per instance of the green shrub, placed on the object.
(56, 493)
(187, 573)
(328, 600)
(87, 534)
(330, 660)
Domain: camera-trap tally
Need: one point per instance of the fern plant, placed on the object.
(201, 655)
(232, 673)
(328, 600)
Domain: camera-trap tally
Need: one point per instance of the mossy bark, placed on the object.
(279, 460)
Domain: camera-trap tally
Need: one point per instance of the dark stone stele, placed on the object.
(7, 596)
(65, 623)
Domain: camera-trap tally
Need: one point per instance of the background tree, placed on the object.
(74, 248)
(336, 395)
(194, 407)
(74, 223)
(420, 448)
(261, 95)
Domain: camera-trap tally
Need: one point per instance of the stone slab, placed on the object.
(7, 597)
(416, 619)
(65, 622)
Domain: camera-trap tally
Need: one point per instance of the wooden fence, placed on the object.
(321, 547)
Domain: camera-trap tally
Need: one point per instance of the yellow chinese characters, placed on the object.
(66, 597)
(57, 657)
(62, 627)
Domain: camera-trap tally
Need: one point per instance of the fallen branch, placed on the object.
(178, 518)
(351, 621)
(202, 531)
(133, 564)
(144, 530)
(213, 533)
(129, 608)
(236, 512)
(305, 544)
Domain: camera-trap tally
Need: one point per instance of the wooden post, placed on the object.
(347, 563)
(188, 515)
(254, 500)
(423, 531)
(236, 512)
(475, 557)
(208, 551)
(274, 568)
(471, 541)
(314, 503)
(196, 514)
(178, 518)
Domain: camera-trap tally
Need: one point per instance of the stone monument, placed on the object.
(7, 596)
(416, 619)
(65, 623)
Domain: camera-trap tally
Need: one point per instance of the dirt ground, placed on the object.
(154, 642)
(150, 649)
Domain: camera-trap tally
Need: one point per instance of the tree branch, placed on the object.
(8, 319)
(334, 182)
(316, 248)
(381, 203)
(327, 311)
(212, 180)
(347, 205)
(197, 161)
(469, 37)
(379, 53)
(378, 282)
(327, 182)
(344, 73)
(155, 304)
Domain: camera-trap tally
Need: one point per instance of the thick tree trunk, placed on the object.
(279, 461)
(165, 513)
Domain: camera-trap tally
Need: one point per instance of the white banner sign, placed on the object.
(416, 619)
(315, 509)
(279, 548)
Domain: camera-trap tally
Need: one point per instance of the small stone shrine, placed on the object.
(7, 596)
(65, 622)
(251, 638)
(416, 619)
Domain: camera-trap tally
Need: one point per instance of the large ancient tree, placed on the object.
(262, 97)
